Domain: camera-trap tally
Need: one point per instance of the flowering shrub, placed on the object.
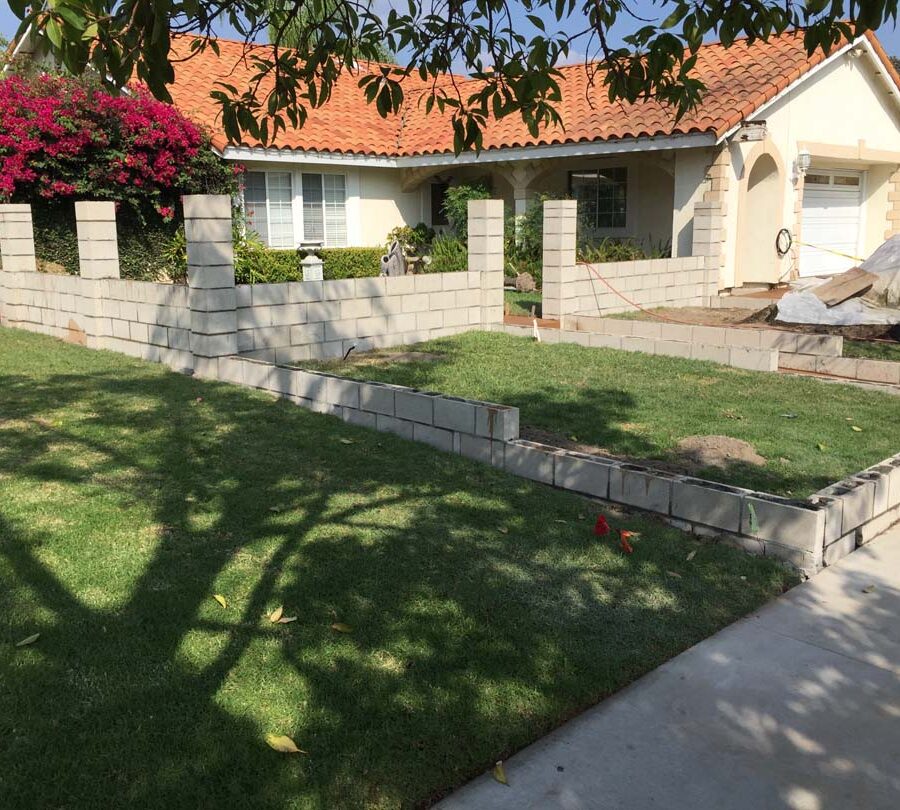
(63, 139)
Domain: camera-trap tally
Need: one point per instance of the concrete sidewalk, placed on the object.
(797, 706)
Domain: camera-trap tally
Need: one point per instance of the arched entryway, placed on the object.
(759, 220)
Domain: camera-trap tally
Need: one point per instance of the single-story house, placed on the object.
(784, 141)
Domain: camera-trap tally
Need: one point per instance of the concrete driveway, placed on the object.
(797, 706)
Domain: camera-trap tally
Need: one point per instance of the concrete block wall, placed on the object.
(304, 320)
(861, 369)
(570, 287)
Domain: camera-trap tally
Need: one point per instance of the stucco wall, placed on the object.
(844, 103)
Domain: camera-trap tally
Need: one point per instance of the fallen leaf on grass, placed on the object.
(340, 627)
(30, 640)
(754, 523)
(674, 574)
(691, 555)
(287, 619)
(788, 416)
(500, 774)
(503, 530)
(868, 589)
(856, 428)
(347, 441)
(274, 508)
(275, 615)
(821, 447)
(221, 600)
(283, 744)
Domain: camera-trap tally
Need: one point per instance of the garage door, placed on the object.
(832, 205)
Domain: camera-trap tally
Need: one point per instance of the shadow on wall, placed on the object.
(133, 495)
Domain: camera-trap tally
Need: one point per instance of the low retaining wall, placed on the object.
(683, 282)
(808, 534)
(736, 356)
(852, 368)
(305, 320)
(141, 319)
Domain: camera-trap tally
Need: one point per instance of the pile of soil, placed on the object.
(718, 451)
(695, 452)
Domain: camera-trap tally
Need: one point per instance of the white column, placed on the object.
(560, 222)
(486, 256)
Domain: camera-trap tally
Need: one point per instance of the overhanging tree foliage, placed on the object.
(516, 68)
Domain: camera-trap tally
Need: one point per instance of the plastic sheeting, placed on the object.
(881, 305)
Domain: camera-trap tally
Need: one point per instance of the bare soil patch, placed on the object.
(380, 357)
(718, 451)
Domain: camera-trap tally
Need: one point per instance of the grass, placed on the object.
(640, 406)
(520, 303)
(872, 349)
(484, 611)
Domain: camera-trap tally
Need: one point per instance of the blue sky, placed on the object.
(889, 35)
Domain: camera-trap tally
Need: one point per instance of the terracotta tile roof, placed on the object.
(738, 80)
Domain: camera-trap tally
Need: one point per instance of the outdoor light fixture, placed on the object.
(804, 159)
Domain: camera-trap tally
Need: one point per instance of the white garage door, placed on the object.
(832, 206)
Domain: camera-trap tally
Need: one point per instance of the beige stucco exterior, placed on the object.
(845, 113)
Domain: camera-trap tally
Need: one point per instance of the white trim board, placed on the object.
(585, 149)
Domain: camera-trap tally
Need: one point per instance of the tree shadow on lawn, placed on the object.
(467, 643)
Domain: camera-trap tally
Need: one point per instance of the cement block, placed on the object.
(530, 460)
(415, 406)
(257, 374)
(580, 472)
(309, 385)
(796, 524)
(377, 398)
(231, 370)
(881, 371)
(707, 502)
(880, 478)
(877, 526)
(858, 499)
(436, 437)
(497, 421)
(343, 392)
(454, 413)
(839, 549)
(480, 449)
(753, 359)
(280, 380)
(357, 417)
(390, 424)
(714, 354)
(642, 487)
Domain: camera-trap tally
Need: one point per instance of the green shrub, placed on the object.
(456, 206)
(621, 250)
(350, 262)
(147, 252)
(448, 255)
(413, 241)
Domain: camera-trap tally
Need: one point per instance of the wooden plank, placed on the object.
(855, 281)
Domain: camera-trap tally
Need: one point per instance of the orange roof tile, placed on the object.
(738, 81)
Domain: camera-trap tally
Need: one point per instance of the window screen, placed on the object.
(313, 218)
(255, 204)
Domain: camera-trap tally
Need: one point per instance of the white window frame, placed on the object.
(298, 206)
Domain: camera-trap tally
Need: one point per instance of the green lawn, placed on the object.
(484, 611)
(640, 406)
(521, 303)
(872, 349)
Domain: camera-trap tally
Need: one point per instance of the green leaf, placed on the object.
(754, 523)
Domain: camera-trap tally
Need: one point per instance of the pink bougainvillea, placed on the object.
(60, 139)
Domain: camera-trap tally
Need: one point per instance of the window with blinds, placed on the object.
(269, 208)
(269, 205)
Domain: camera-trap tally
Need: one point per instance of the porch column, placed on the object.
(560, 222)
(212, 296)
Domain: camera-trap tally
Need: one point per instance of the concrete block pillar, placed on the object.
(212, 297)
(708, 240)
(16, 253)
(486, 256)
(98, 246)
(17, 238)
(560, 224)
(98, 259)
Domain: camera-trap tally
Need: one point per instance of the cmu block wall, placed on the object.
(189, 327)
(301, 320)
(570, 287)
